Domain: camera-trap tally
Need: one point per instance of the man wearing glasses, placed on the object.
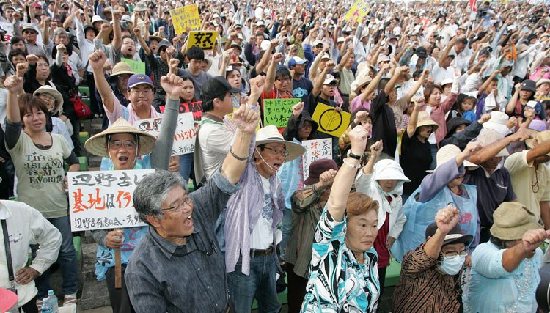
(253, 214)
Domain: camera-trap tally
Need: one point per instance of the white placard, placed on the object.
(184, 140)
(316, 149)
(103, 199)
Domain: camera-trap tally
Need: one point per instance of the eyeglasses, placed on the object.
(117, 144)
(277, 151)
(47, 96)
(185, 203)
(455, 253)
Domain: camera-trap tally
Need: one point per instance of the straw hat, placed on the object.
(270, 134)
(424, 119)
(361, 82)
(54, 93)
(155, 36)
(539, 137)
(447, 153)
(97, 144)
(512, 220)
(121, 68)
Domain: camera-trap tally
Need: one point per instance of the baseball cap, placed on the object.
(97, 18)
(37, 5)
(216, 87)
(296, 61)
(317, 42)
(139, 79)
(330, 80)
(340, 39)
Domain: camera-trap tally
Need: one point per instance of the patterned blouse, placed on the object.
(337, 281)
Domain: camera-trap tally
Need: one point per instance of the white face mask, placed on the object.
(451, 265)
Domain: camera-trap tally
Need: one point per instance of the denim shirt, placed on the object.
(493, 289)
(164, 277)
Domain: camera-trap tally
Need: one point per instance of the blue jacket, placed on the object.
(291, 176)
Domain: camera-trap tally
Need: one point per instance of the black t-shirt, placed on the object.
(415, 160)
(383, 123)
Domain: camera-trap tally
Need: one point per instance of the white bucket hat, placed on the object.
(498, 123)
(270, 134)
(447, 153)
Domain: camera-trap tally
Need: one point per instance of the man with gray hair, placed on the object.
(178, 265)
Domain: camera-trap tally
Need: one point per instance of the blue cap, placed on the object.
(296, 60)
(139, 79)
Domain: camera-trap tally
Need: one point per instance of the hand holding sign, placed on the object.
(330, 120)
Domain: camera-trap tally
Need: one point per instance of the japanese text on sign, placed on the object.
(193, 107)
(184, 139)
(330, 120)
(102, 200)
(358, 10)
(185, 18)
(204, 40)
(315, 150)
(278, 111)
(137, 66)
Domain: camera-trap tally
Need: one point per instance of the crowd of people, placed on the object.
(443, 167)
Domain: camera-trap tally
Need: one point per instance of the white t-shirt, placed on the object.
(439, 73)
(262, 233)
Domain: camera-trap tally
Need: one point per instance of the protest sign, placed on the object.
(315, 149)
(277, 111)
(204, 40)
(184, 140)
(185, 18)
(331, 121)
(103, 200)
(193, 107)
(358, 10)
(137, 66)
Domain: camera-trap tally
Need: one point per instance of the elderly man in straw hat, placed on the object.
(178, 265)
(253, 214)
(442, 187)
(122, 143)
(505, 271)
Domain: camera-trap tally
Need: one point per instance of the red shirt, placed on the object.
(380, 243)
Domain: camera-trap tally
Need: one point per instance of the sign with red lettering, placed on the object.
(184, 140)
(193, 107)
(103, 200)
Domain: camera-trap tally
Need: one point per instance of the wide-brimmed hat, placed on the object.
(498, 122)
(543, 81)
(155, 36)
(270, 134)
(529, 85)
(453, 123)
(487, 137)
(424, 119)
(512, 220)
(54, 93)
(318, 167)
(453, 236)
(537, 125)
(361, 82)
(446, 153)
(97, 144)
(121, 68)
(539, 137)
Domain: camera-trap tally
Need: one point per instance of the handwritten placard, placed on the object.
(330, 120)
(315, 149)
(184, 140)
(193, 107)
(103, 200)
(357, 11)
(137, 66)
(203, 40)
(186, 18)
(278, 111)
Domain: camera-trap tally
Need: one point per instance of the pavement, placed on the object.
(103, 309)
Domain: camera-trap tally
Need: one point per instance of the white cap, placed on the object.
(340, 39)
(260, 23)
(265, 45)
(317, 42)
(216, 15)
(329, 79)
(325, 57)
(97, 18)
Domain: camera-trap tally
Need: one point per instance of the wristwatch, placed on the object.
(354, 156)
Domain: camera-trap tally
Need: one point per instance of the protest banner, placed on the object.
(315, 149)
(358, 10)
(184, 140)
(204, 40)
(193, 107)
(186, 18)
(137, 66)
(331, 121)
(103, 200)
(277, 111)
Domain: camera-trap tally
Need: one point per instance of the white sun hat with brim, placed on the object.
(270, 134)
(97, 144)
(446, 153)
(488, 137)
(498, 122)
(54, 93)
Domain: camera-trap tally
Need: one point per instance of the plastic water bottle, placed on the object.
(46, 307)
(52, 299)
